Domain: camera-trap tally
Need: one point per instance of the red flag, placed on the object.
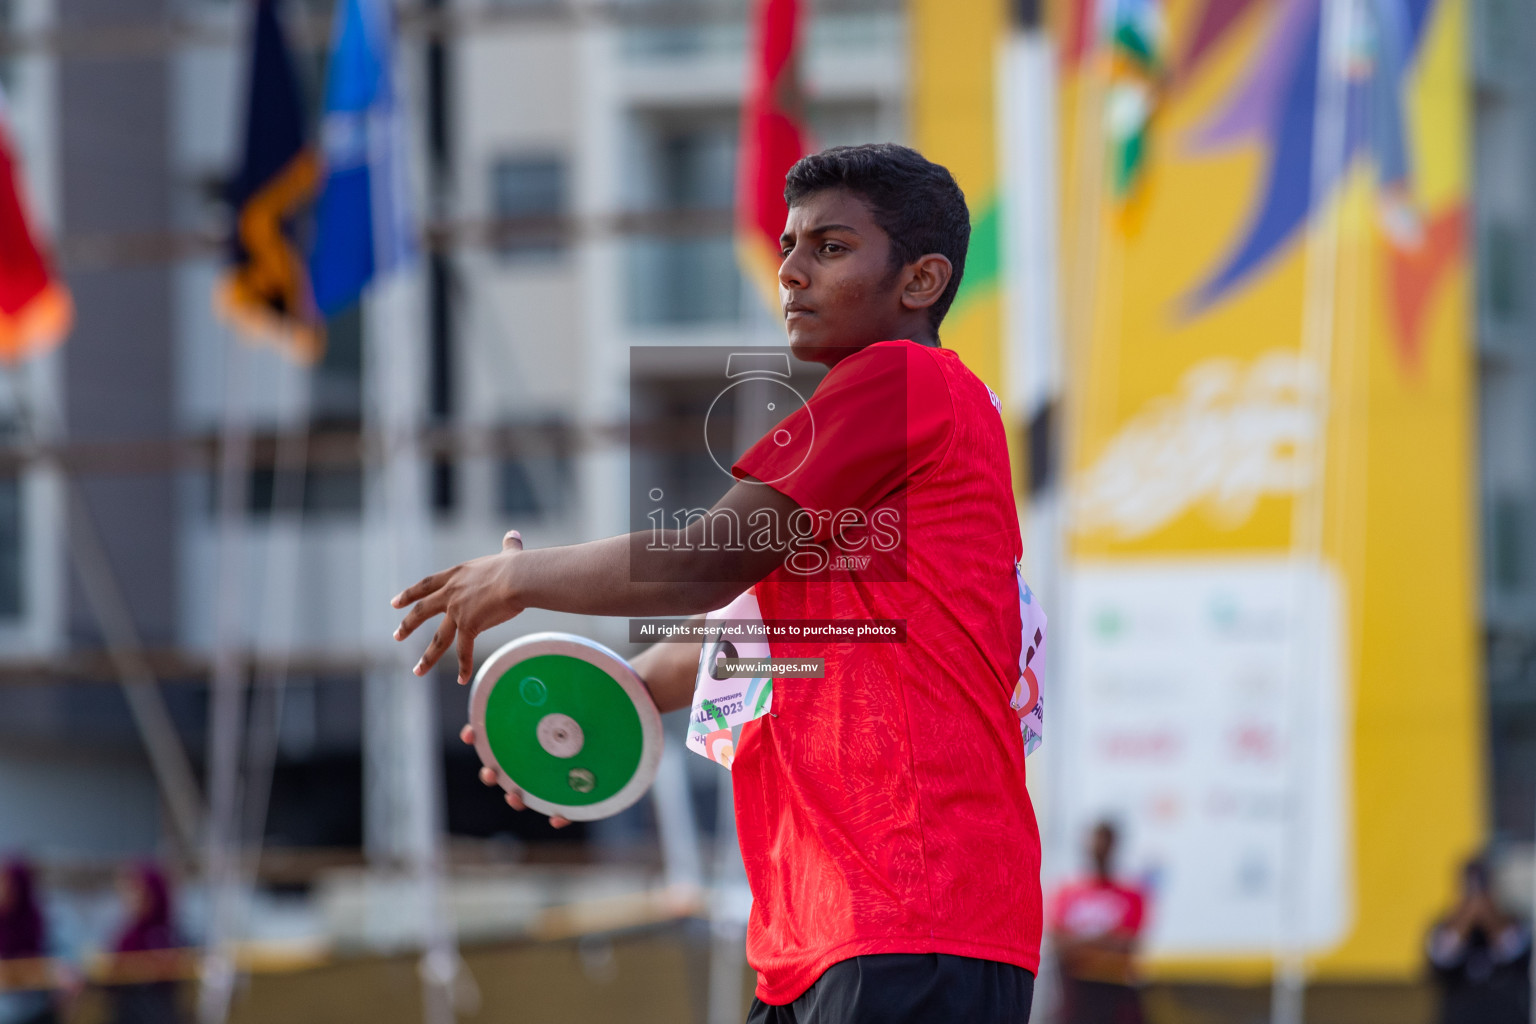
(773, 137)
(35, 309)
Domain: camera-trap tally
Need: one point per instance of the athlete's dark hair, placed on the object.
(915, 201)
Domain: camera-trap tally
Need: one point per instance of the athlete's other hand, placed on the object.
(471, 597)
(514, 798)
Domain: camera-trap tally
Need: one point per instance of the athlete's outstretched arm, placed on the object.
(684, 577)
(669, 671)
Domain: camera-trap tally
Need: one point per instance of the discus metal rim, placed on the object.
(606, 660)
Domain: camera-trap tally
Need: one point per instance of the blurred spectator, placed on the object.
(1481, 957)
(26, 982)
(146, 961)
(1096, 927)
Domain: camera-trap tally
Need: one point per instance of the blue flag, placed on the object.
(363, 222)
(266, 289)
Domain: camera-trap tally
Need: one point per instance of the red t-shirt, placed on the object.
(882, 809)
(1096, 907)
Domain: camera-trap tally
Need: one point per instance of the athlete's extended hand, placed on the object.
(471, 597)
(514, 798)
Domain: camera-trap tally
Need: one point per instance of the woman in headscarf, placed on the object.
(26, 995)
(143, 987)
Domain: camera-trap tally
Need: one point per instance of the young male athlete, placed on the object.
(888, 837)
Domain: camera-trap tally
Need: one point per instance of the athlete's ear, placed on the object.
(926, 280)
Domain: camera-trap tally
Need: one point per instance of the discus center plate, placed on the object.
(559, 735)
(568, 724)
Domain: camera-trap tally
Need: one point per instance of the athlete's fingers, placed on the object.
(467, 735)
(513, 539)
(515, 800)
(466, 657)
(440, 641)
(488, 776)
(416, 591)
(423, 610)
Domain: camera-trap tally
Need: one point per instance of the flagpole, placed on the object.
(226, 707)
(1032, 359)
(400, 710)
(404, 776)
(1336, 33)
(281, 603)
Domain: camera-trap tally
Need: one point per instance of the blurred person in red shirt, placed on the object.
(1481, 957)
(885, 825)
(1096, 925)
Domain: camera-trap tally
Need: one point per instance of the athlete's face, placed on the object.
(837, 288)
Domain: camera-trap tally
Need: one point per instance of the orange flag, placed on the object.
(773, 137)
(35, 308)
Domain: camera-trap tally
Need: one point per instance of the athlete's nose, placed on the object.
(792, 275)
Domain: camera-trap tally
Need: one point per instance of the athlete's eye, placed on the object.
(833, 247)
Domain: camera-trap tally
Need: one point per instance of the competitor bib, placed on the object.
(722, 706)
(1028, 701)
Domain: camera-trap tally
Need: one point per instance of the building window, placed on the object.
(1501, 30)
(528, 197)
(334, 490)
(7, 68)
(337, 394)
(328, 490)
(693, 279)
(534, 487)
(1503, 273)
(10, 547)
(683, 281)
(1507, 554)
(696, 166)
(445, 485)
(667, 423)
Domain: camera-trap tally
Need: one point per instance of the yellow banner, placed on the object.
(1265, 291)
(954, 50)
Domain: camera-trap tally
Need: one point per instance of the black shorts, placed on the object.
(909, 988)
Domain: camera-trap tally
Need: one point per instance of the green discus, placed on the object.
(568, 724)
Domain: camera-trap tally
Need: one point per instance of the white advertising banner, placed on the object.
(1204, 709)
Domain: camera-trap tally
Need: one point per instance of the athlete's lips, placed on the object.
(796, 309)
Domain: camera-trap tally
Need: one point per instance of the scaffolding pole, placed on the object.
(168, 759)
